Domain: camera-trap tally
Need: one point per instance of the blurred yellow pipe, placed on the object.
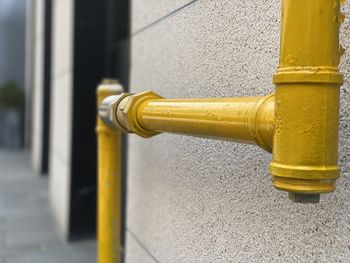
(109, 182)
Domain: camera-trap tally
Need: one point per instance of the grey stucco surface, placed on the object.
(136, 252)
(146, 12)
(200, 200)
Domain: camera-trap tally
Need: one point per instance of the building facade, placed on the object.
(187, 199)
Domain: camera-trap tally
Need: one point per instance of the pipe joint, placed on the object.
(121, 111)
(127, 113)
(108, 108)
(319, 74)
(261, 122)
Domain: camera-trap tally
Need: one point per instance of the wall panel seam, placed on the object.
(142, 245)
(172, 13)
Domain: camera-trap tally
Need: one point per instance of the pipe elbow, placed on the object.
(262, 122)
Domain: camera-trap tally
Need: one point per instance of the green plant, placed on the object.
(11, 96)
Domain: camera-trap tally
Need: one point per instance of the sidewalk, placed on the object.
(27, 232)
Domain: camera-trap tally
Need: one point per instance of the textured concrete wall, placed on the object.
(200, 200)
(147, 12)
(61, 111)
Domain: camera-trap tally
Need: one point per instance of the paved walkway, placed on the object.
(27, 232)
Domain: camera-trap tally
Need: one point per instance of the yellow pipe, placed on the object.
(233, 119)
(300, 123)
(247, 120)
(305, 149)
(109, 182)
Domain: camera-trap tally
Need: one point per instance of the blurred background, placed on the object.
(47, 127)
(12, 72)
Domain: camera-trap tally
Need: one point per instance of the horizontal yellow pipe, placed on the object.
(247, 120)
(221, 118)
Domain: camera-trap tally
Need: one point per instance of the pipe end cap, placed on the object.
(304, 198)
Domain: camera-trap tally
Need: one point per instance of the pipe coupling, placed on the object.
(121, 111)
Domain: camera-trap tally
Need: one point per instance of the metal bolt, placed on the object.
(304, 198)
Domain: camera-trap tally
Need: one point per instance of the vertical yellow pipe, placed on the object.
(109, 182)
(305, 146)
